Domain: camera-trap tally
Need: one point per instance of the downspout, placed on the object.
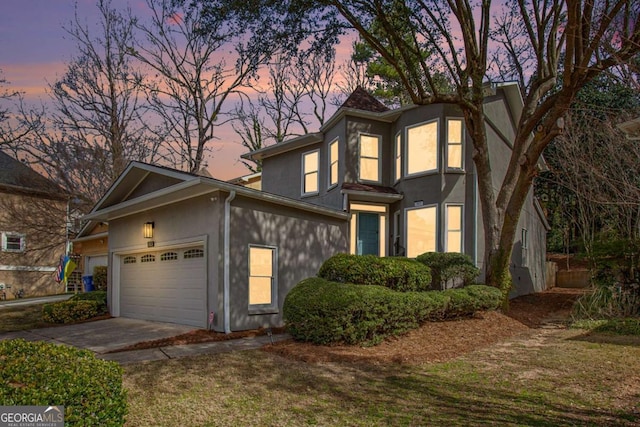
(226, 287)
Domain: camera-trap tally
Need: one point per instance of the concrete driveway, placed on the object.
(102, 336)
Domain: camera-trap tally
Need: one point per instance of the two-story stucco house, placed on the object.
(407, 178)
(191, 249)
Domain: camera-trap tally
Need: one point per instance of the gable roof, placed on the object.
(360, 99)
(16, 177)
(119, 200)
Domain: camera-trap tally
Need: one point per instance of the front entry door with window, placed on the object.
(368, 233)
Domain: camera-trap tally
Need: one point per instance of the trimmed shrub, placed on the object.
(100, 277)
(77, 308)
(325, 312)
(39, 373)
(400, 274)
(98, 296)
(449, 269)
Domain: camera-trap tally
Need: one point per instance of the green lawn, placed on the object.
(21, 317)
(552, 378)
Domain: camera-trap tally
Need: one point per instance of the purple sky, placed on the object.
(34, 49)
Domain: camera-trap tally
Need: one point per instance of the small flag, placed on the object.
(69, 266)
(60, 270)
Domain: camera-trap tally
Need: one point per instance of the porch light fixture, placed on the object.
(147, 230)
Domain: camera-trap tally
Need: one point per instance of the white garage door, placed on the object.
(166, 286)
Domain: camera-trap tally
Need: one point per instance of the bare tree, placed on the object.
(95, 122)
(198, 72)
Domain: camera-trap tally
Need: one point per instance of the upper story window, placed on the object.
(454, 143)
(13, 242)
(310, 177)
(369, 158)
(333, 163)
(398, 158)
(422, 148)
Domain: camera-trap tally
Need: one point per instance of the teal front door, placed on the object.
(368, 233)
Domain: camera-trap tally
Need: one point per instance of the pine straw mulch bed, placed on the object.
(433, 342)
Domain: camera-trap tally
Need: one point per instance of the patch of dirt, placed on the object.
(440, 341)
(433, 342)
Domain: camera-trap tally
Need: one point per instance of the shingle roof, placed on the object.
(360, 99)
(15, 176)
(353, 186)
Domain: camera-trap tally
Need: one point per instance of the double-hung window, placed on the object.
(262, 277)
(369, 158)
(422, 148)
(333, 163)
(454, 144)
(13, 242)
(310, 178)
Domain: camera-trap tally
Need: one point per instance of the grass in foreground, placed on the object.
(551, 378)
(21, 317)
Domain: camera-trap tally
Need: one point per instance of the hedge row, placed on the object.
(449, 269)
(79, 307)
(39, 373)
(400, 274)
(324, 312)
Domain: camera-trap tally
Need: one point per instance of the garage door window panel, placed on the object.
(169, 256)
(148, 258)
(194, 253)
(262, 279)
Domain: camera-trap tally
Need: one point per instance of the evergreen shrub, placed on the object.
(39, 373)
(400, 274)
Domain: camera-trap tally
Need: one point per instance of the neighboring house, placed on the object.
(32, 230)
(407, 179)
(253, 180)
(186, 249)
(92, 247)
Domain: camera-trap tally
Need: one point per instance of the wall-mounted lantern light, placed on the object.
(147, 230)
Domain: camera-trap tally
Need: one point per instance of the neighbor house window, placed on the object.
(422, 148)
(398, 158)
(13, 242)
(310, 172)
(262, 262)
(421, 226)
(333, 163)
(369, 158)
(454, 144)
(453, 226)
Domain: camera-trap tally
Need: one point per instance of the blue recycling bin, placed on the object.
(87, 282)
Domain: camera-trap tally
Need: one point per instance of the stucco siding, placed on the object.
(303, 241)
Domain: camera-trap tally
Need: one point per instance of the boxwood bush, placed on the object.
(449, 269)
(400, 274)
(325, 312)
(39, 373)
(100, 277)
(79, 307)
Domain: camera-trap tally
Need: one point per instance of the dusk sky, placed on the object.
(34, 51)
